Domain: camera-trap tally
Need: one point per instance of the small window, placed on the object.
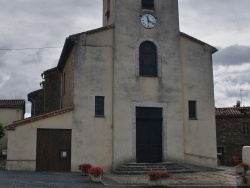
(147, 4)
(99, 106)
(148, 59)
(192, 109)
(246, 128)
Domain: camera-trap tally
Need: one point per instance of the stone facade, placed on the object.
(105, 62)
(231, 136)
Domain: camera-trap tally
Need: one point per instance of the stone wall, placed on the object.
(52, 90)
(47, 99)
(230, 137)
(37, 102)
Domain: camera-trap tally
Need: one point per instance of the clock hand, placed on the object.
(148, 20)
(151, 21)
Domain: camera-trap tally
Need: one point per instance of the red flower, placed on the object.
(154, 175)
(96, 171)
(85, 167)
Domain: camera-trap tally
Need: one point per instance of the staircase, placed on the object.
(143, 168)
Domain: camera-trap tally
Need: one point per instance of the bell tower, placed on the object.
(147, 74)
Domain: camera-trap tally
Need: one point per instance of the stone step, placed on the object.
(152, 167)
(150, 164)
(143, 168)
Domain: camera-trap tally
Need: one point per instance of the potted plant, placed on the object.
(96, 174)
(84, 168)
(242, 168)
(242, 178)
(158, 178)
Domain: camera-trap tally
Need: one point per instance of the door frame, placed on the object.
(164, 126)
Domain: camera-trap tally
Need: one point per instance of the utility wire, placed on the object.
(41, 48)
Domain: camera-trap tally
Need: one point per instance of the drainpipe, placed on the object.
(113, 94)
(61, 89)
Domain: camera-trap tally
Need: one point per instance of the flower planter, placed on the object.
(84, 168)
(84, 173)
(164, 181)
(240, 181)
(240, 170)
(96, 179)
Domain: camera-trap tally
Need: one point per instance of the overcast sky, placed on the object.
(224, 24)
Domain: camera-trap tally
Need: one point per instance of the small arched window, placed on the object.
(148, 59)
(147, 4)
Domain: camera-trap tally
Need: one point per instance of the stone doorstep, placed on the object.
(145, 172)
(152, 168)
(144, 168)
(148, 164)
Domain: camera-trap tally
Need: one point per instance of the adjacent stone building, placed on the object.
(10, 110)
(233, 132)
(48, 98)
(135, 90)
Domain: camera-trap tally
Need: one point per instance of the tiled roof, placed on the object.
(37, 118)
(12, 103)
(34, 93)
(51, 70)
(232, 112)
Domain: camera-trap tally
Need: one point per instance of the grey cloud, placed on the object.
(232, 55)
(39, 23)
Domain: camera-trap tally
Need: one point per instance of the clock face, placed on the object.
(148, 20)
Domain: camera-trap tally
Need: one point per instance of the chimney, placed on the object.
(238, 104)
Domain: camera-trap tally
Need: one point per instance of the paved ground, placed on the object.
(13, 179)
(214, 178)
(224, 177)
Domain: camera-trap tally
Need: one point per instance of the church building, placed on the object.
(135, 90)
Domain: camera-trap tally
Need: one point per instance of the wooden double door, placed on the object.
(149, 135)
(53, 150)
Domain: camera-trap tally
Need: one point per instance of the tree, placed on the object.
(2, 132)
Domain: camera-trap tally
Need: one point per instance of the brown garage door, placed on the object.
(53, 150)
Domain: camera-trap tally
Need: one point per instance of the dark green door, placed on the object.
(148, 135)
